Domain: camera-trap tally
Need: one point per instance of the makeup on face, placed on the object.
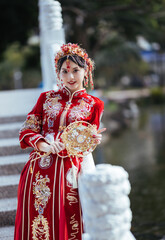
(72, 75)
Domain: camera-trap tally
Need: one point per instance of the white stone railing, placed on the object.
(105, 203)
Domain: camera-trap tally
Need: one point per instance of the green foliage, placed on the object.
(118, 58)
(17, 20)
(106, 28)
(157, 95)
(31, 78)
(32, 57)
(12, 59)
(112, 107)
(6, 76)
(83, 21)
(19, 58)
(128, 18)
(13, 56)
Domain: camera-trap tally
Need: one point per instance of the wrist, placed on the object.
(42, 145)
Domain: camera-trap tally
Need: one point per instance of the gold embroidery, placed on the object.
(52, 106)
(40, 227)
(75, 228)
(71, 196)
(32, 122)
(78, 138)
(81, 111)
(41, 191)
(69, 175)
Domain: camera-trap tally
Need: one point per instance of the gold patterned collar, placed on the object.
(76, 93)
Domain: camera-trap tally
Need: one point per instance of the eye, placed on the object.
(75, 70)
(64, 71)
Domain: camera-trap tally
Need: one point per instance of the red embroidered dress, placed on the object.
(48, 206)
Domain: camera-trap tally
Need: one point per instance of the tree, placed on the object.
(18, 20)
(106, 28)
(93, 21)
(88, 22)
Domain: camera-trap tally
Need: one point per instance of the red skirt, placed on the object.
(48, 206)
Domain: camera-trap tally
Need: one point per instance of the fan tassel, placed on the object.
(74, 176)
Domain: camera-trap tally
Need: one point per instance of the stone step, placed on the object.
(7, 233)
(9, 142)
(7, 211)
(8, 187)
(13, 119)
(13, 159)
(9, 180)
(12, 165)
(10, 126)
(10, 130)
(9, 134)
(11, 169)
(8, 204)
(11, 146)
(8, 191)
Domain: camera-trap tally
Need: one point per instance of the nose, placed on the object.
(71, 75)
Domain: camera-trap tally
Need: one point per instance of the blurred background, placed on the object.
(126, 39)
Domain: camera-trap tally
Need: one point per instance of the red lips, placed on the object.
(71, 83)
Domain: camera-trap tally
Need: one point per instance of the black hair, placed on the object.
(74, 58)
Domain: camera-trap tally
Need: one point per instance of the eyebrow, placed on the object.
(66, 68)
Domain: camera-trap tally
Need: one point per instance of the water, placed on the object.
(141, 151)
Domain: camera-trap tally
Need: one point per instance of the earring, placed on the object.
(60, 83)
(85, 81)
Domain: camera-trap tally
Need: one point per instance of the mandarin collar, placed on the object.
(74, 94)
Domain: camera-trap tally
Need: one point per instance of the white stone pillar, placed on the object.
(51, 38)
(105, 203)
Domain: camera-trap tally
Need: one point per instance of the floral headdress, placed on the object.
(71, 49)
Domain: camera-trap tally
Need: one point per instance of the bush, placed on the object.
(157, 95)
(24, 59)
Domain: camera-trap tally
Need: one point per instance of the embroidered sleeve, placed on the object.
(30, 131)
(32, 122)
(97, 113)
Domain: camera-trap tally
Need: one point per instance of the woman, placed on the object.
(48, 203)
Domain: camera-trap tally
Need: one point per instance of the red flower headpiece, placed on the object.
(71, 49)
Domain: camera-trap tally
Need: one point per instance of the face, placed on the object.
(73, 76)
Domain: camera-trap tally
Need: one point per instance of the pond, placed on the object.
(141, 151)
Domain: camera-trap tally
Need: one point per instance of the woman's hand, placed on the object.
(54, 147)
(98, 136)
